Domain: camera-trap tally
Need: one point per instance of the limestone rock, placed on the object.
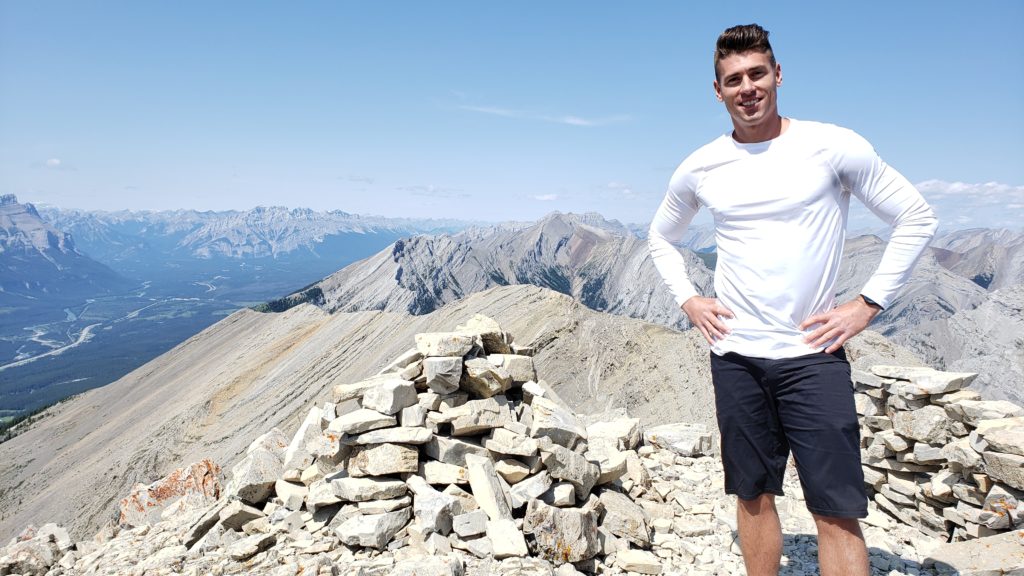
(973, 411)
(489, 331)
(483, 379)
(198, 484)
(1009, 440)
(1002, 554)
(435, 472)
(562, 534)
(560, 494)
(443, 373)
(488, 490)
(507, 541)
(927, 380)
(362, 420)
(1008, 468)
(453, 450)
(406, 359)
(624, 431)
(254, 476)
(682, 438)
(624, 518)
(433, 509)
(390, 396)
(564, 464)
(373, 530)
(520, 368)
(443, 344)
(927, 424)
(291, 495)
(343, 392)
(556, 423)
(639, 561)
(362, 489)
(470, 524)
(477, 416)
(505, 441)
(511, 470)
(382, 459)
(396, 435)
(246, 548)
(449, 565)
(236, 514)
(961, 452)
(299, 453)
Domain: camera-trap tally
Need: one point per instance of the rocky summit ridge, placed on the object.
(456, 458)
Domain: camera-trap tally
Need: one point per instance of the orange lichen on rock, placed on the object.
(194, 485)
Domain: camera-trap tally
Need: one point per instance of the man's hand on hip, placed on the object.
(705, 314)
(840, 324)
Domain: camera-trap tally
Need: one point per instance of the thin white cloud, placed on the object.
(56, 164)
(624, 189)
(53, 162)
(568, 120)
(967, 205)
(433, 191)
(546, 197)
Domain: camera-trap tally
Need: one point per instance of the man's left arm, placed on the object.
(895, 200)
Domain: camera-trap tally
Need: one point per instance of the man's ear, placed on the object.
(778, 74)
(718, 90)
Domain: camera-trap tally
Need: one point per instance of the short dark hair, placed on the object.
(740, 39)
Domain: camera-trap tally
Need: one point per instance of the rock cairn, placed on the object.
(456, 460)
(939, 457)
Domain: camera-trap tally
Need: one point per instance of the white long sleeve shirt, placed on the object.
(780, 209)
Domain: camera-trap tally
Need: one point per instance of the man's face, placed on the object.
(747, 83)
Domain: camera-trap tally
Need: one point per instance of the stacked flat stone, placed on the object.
(937, 456)
(455, 445)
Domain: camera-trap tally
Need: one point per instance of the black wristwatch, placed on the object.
(871, 302)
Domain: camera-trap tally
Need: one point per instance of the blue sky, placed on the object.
(482, 110)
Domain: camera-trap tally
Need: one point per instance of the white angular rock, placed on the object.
(639, 561)
(1008, 468)
(448, 565)
(624, 518)
(355, 391)
(624, 431)
(444, 344)
(299, 453)
(961, 452)
(470, 524)
(511, 470)
(556, 423)
(413, 416)
(973, 411)
(564, 464)
(488, 490)
(520, 368)
(1009, 440)
(562, 534)
(291, 495)
(478, 416)
(507, 541)
(254, 476)
(433, 509)
(504, 441)
(560, 494)
(396, 435)
(406, 359)
(275, 442)
(373, 530)
(928, 424)
(927, 380)
(453, 450)
(494, 340)
(320, 494)
(390, 396)
(237, 513)
(382, 506)
(362, 489)
(435, 472)
(529, 488)
(682, 438)
(362, 420)
(443, 373)
(483, 379)
(382, 459)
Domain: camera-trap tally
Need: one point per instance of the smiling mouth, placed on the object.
(749, 103)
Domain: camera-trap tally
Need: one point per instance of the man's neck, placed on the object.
(763, 132)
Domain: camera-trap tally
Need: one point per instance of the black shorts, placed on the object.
(768, 407)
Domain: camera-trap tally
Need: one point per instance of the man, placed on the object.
(779, 192)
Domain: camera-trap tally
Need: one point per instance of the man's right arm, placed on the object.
(668, 228)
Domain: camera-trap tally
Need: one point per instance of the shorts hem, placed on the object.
(754, 495)
(861, 513)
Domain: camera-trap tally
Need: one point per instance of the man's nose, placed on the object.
(746, 84)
